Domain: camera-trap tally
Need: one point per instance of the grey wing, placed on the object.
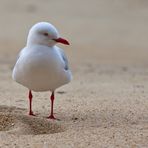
(66, 67)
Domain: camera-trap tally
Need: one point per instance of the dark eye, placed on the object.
(45, 34)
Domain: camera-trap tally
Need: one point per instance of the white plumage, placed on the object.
(41, 65)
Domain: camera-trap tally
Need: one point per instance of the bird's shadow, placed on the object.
(14, 120)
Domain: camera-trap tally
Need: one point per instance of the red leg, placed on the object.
(52, 102)
(30, 103)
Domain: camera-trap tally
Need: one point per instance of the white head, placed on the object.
(44, 33)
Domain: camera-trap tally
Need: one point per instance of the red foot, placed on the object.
(31, 113)
(51, 117)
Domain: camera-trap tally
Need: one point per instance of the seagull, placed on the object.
(41, 65)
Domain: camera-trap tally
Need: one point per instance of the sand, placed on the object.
(106, 104)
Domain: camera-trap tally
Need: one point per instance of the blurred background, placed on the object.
(107, 31)
(106, 104)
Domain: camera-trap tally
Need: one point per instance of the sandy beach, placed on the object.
(106, 104)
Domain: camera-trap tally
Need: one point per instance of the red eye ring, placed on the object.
(46, 34)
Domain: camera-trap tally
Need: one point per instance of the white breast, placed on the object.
(41, 68)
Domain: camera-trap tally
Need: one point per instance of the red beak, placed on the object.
(61, 40)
